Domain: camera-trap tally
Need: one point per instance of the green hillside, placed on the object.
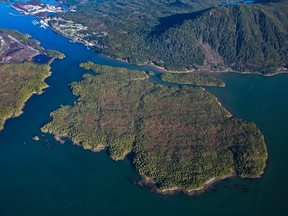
(182, 35)
(244, 38)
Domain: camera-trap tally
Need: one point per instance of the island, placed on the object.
(177, 138)
(20, 77)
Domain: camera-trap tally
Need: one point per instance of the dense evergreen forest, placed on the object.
(179, 138)
(189, 35)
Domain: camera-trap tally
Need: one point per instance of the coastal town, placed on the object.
(75, 31)
(36, 8)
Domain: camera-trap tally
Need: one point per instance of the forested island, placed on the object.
(178, 138)
(183, 35)
(20, 78)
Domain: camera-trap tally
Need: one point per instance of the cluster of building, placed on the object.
(36, 8)
(76, 32)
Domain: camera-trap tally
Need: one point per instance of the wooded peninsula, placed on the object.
(178, 138)
(20, 78)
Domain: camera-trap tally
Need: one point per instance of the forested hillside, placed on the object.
(189, 35)
(245, 38)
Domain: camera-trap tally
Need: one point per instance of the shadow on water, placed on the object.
(165, 23)
(41, 59)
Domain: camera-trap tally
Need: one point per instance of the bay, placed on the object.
(48, 178)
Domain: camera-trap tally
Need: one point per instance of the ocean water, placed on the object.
(48, 178)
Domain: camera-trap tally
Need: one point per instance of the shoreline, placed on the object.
(150, 183)
(199, 71)
(146, 181)
(100, 148)
(59, 138)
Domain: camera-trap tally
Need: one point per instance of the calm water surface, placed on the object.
(47, 178)
(41, 59)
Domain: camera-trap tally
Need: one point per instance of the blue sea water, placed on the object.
(39, 178)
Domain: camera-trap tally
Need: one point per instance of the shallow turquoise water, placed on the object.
(48, 178)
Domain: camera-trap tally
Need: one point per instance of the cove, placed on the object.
(41, 59)
(47, 178)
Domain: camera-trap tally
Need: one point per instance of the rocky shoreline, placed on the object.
(146, 181)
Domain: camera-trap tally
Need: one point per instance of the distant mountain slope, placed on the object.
(181, 35)
(243, 37)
